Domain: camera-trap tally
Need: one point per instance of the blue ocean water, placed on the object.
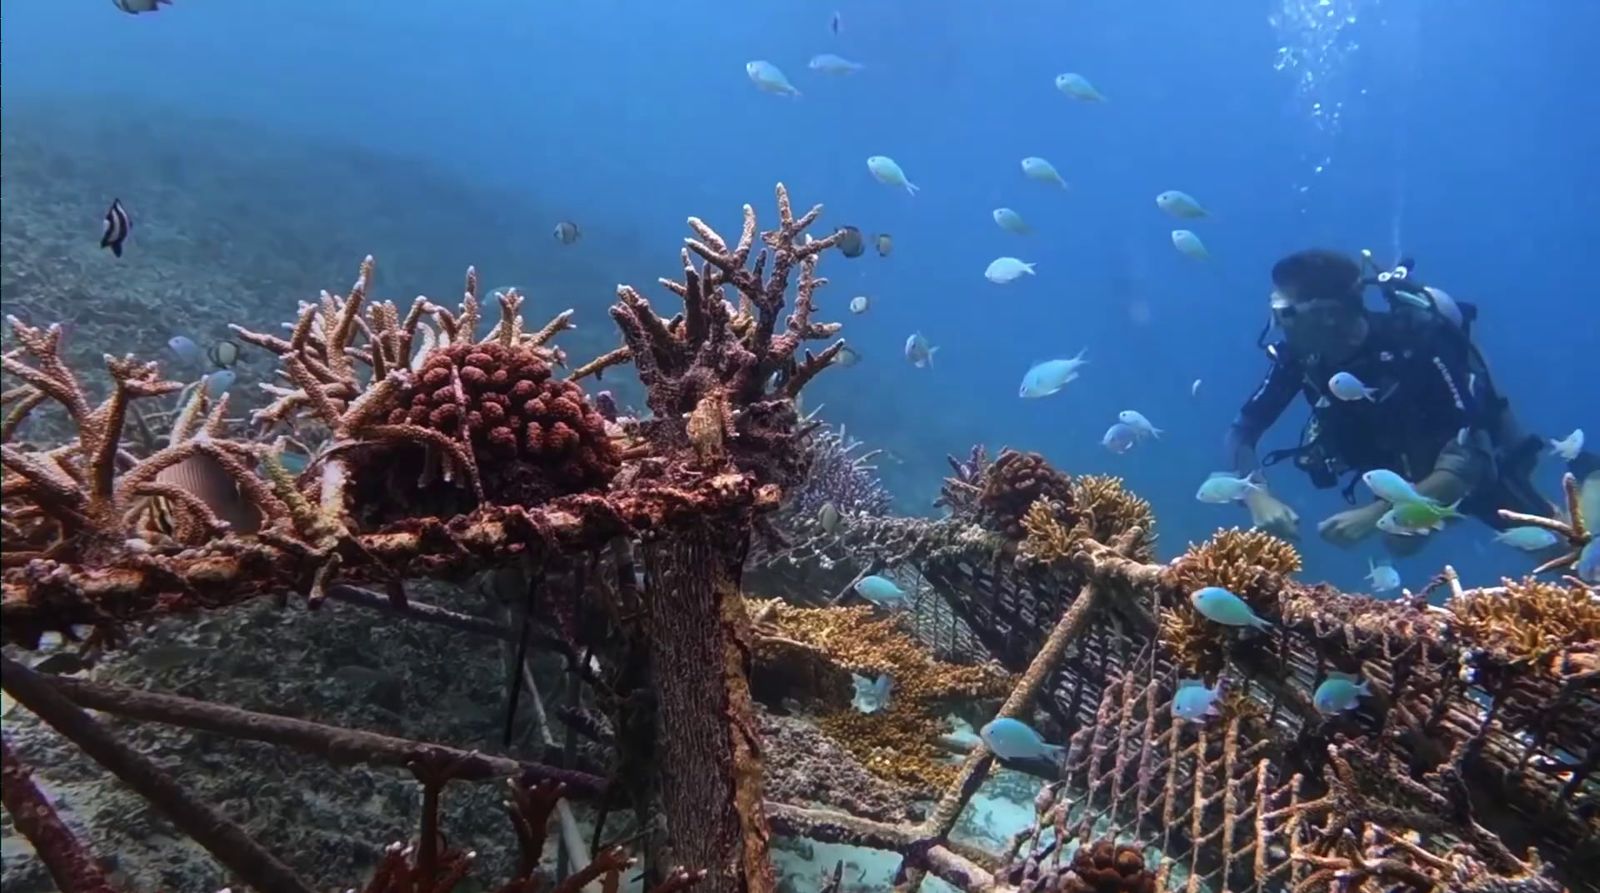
(1452, 131)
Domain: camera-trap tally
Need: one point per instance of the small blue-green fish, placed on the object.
(888, 172)
(1588, 569)
(882, 592)
(1417, 518)
(134, 7)
(187, 351)
(828, 63)
(1194, 389)
(1348, 387)
(1383, 577)
(1221, 606)
(1222, 488)
(1036, 168)
(1076, 86)
(1135, 419)
(1013, 739)
(1392, 488)
(1194, 701)
(1189, 245)
(1050, 376)
(1568, 447)
(1119, 438)
(1002, 270)
(1339, 693)
(1180, 204)
(770, 78)
(567, 232)
(1011, 221)
(872, 695)
(218, 382)
(1528, 539)
(918, 352)
(860, 303)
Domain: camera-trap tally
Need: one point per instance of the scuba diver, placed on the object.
(1430, 412)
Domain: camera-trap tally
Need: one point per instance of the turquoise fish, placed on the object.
(1013, 739)
(1339, 693)
(1392, 488)
(1194, 701)
(872, 695)
(1528, 539)
(1221, 606)
(882, 592)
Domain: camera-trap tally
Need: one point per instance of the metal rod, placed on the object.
(223, 839)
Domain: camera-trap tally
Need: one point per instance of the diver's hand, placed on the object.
(1272, 514)
(1352, 525)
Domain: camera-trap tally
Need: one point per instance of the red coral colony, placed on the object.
(424, 456)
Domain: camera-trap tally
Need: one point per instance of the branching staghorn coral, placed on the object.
(1530, 621)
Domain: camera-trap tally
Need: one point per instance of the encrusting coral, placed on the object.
(899, 743)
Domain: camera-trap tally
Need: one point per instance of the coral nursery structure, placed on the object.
(620, 544)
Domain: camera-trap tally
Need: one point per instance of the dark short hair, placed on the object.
(1318, 274)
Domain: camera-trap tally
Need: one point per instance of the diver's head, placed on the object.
(1316, 300)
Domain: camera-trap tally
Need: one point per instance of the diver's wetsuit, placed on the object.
(1434, 408)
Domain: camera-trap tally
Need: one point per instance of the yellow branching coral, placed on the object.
(1105, 508)
(1249, 563)
(1101, 508)
(901, 742)
(1530, 622)
(1047, 539)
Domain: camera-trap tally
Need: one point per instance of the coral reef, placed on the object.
(1102, 510)
(806, 767)
(1100, 866)
(900, 743)
(1013, 483)
(539, 437)
(958, 493)
(841, 476)
(1530, 621)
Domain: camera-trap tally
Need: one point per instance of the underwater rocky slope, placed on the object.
(404, 456)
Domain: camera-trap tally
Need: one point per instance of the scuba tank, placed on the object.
(1494, 431)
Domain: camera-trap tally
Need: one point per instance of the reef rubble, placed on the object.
(399, 448)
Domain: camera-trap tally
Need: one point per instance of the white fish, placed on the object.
(1383, 577)
(859, 304)
(1568, 447)
(1180, 204)
(828, 63)
(1119, 438)
(218, 382)
(1528, 539)
(1222, 488)
(134, 7)
(1347, 387)
(188, 352)
(770, 78)
(918, 351)
(1189, 244)
(1011, 221)
(1050, 376)
(1194, 389)
(1036, 168)
(1006, 269)
(886, 171)
(1076, 86)
(1135, 419)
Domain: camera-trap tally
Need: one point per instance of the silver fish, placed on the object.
(567, 232)
(828, 517)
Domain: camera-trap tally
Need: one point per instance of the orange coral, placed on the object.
(899, 743)
(1105, 508)
(1531, 621)
(1249, 563)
